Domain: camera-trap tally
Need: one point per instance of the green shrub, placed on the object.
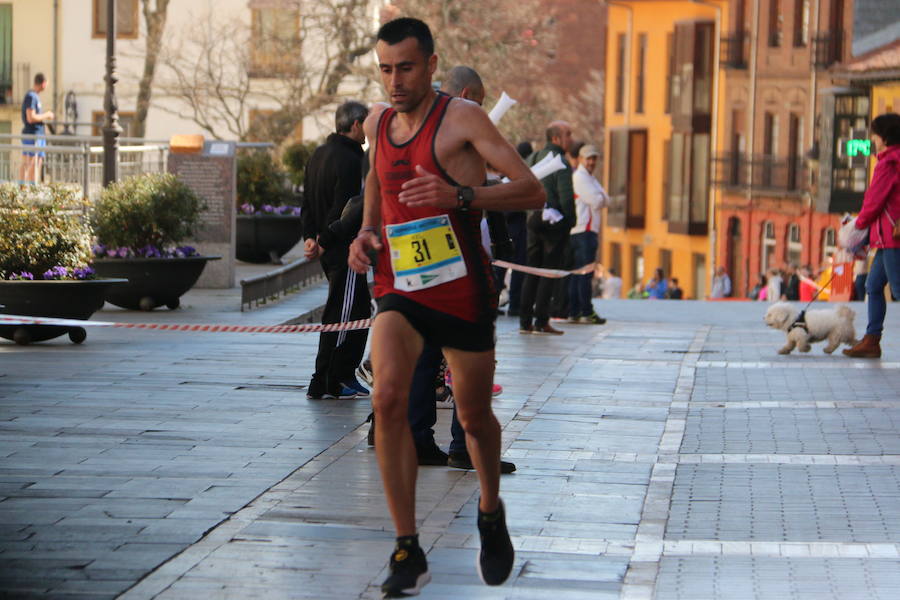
(295, 158)
(155, 210)
(42, 227)
(260, 182)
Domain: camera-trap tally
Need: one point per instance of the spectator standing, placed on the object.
(880, 213)
(674, 292)
(656, 287)
(791, 287)
(548, 234)
(333, 176)
(774, 285)
(860, 273)
(515, 224)
(590, 197)
(33, 120)
(721, 284)
(757, 289)
(612, 286)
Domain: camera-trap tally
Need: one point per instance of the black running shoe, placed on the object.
(409, 573)
(429, 455)
(495, 562)
(462, 460)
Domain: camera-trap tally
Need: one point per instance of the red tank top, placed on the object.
(418, 241)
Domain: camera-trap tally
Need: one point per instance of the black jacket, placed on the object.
(333, 176)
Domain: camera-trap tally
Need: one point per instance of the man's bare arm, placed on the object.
(522, 192)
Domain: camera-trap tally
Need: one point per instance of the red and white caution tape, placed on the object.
(347, 326)
(551, 273)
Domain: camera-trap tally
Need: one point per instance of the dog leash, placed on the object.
(800, 321)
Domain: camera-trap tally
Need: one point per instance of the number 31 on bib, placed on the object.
(424, 253)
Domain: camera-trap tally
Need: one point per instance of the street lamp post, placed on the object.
(111, 128)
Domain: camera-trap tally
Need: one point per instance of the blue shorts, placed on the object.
(40, 142)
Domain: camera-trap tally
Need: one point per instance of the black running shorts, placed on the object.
(440, 329)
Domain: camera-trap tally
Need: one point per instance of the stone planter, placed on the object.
(59, 299)
(152, 282)
(263, 238)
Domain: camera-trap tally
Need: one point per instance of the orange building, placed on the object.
(664, 88)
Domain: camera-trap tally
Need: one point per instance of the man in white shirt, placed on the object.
(612, 285)
(721, 284)
(590, 197)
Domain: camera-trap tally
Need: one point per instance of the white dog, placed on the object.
(834, 325)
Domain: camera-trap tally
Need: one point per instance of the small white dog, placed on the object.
(833, 324)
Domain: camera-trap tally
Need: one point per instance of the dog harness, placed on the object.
(800, 322)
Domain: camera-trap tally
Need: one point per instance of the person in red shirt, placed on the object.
(433, 282)
(879, 214)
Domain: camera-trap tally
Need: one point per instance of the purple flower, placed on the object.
(22, 275)
(85, 273)
(296, 211)
(186, 251)
(267, 208)
(99, 249)
(122, 252)
(247, 208)
(57, 272)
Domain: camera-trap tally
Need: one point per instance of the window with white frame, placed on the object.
(794, 247)
(829, 243)
(767, 246)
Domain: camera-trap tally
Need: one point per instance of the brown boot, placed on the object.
(868, 347)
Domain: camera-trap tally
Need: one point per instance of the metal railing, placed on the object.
(734, 54)
(827, 49)
(77, 161)
(289, 278)
(770, 173)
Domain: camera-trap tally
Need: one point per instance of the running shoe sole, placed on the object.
(421, 581)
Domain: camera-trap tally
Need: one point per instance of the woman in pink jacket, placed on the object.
(880, 210)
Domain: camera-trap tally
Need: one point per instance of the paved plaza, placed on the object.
(670, 454)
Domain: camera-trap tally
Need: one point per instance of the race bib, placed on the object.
(424, 253)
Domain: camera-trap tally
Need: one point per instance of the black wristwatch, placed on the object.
(464, 197)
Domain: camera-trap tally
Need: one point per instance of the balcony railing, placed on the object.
(734, 51)
(827, 48)
(770, 173)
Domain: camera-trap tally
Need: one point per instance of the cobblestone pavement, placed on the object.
(668, 454)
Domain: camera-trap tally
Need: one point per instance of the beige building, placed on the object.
(27, 46)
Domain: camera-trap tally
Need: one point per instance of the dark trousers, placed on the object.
(515, 224)
(584, 248)
(859, 287)
(341, 352)
(422, 408)
(546, 249)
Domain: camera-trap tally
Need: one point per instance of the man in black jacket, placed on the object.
(333, 176)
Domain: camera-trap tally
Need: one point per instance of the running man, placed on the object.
(433, 281)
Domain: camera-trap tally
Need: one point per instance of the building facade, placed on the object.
(663, 93)
(777, 55)
(65, 39)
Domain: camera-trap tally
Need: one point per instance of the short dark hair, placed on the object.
(887, 127)
(524, 149)
(394, 32)
(39, 79)
(575, 148)
(349, 113)
(675, 280)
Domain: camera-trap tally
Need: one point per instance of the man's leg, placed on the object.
(554, 248)
(319, 384)
(396, 346)
(473, 374)
(531, 285)
(351, 345)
